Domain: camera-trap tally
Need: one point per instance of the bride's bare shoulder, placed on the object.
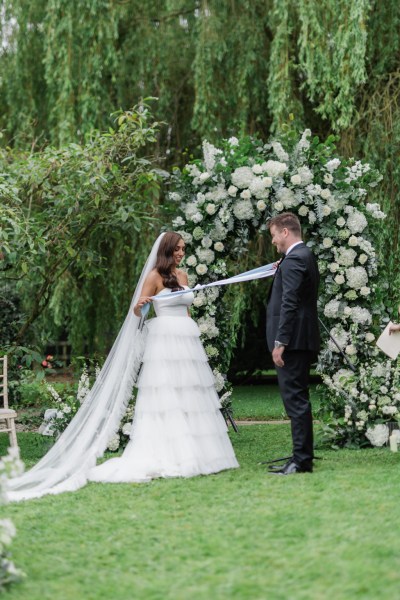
(153, 277)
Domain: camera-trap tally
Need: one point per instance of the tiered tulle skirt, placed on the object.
(178, 429)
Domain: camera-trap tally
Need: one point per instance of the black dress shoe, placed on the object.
(290, 469)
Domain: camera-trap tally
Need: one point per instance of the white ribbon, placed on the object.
(259, 273)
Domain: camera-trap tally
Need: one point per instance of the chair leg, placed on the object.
(13, 434)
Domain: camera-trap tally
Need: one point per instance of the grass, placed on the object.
(262, 402)
(240, 534)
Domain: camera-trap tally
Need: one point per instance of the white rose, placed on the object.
(278, 206)
(339, 279)
(267, 181)
(126, 429)
(201, 269)
(232, 190)
(326, 211)
(353, 241)
(303, 210)
(191, 261)
(327, 242)
(351, 350)
(295, 179)
(341, 222)
(246, 194)
(369, 337)
(333, 267)
(328, 178)
(365, 291)
(210, 208)
(325, 194)
(204, 176)
(218, 246)
(261, 205)
(347, 311)
(257, 169)
(362, 258)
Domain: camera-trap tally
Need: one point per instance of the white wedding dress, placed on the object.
(178, 429)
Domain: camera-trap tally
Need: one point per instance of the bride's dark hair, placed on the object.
(165, 260)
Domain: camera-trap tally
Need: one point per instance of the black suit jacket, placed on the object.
(292, 316)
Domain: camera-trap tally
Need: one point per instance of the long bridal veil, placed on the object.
(65, 467)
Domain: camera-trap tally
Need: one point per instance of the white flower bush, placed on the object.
(227, 197)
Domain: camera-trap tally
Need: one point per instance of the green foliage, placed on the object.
(70, 214)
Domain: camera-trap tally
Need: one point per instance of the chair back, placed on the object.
(3, 381)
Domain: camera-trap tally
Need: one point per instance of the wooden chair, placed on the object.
(7, 415)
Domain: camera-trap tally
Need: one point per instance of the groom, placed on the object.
(293, 334)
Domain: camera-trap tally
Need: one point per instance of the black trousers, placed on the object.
(293, 381)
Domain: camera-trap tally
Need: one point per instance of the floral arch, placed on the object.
(223, 201)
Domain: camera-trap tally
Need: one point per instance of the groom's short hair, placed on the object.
(288, 220)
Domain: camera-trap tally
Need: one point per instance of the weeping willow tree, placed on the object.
(218, 68)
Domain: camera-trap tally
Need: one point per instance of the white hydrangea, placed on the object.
(210, 153)
(331, 309)
(345, 256)
(328, 179)
(378, 435)
(206, 242)
(200, 299)
(257, 169)
(242, 177)
(267, 181)
(114, 442)
(187, 237)
(351, 350)
(127, 428)
(341, 336)
(243, 209)
(219, 380)
(357, 277)
(205, 255)
(287, 197)
(219, 232)
(190, 209)
(208, 327)
(257, 188)
(274, 168)
(343, 376)
(361, 315)
(375, 211)
(178, 222)
(201, 269)
(304, 143)
(306, 175)
(197, 217)
(356, 221)
(332, 165)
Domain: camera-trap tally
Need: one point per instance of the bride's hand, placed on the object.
(141, 302)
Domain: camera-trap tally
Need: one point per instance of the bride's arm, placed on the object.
(149, 289)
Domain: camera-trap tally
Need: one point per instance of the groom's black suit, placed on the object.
(292, 319)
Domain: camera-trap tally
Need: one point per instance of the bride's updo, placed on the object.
(165, 260)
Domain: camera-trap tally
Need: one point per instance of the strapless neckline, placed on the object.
(169, 289)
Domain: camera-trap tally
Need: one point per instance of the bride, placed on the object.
(177, 429)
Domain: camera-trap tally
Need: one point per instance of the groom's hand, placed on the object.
(277, 356)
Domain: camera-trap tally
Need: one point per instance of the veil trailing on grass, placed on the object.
(67, 464)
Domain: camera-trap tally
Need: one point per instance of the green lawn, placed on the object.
(240, 534)
(262, 402)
